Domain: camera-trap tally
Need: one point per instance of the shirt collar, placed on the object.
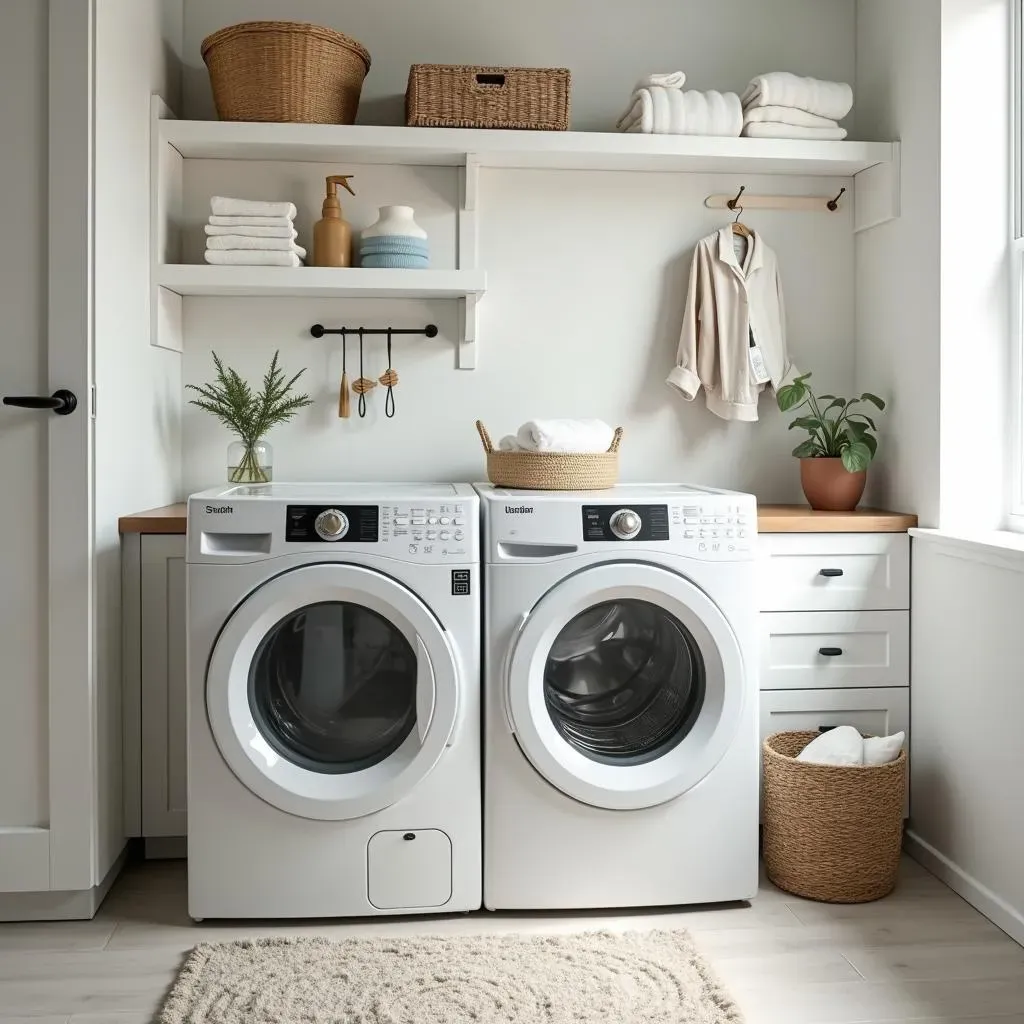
(727, 254)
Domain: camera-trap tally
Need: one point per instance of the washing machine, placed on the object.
(620, 697)
(333, 700)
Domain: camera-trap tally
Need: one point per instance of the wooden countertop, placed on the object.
(770, 519)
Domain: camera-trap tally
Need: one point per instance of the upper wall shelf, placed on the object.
(452, 147)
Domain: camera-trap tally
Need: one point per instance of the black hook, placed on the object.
(833, 204)
(733, 203)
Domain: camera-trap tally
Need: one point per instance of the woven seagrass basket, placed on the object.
(285, 71)
(831, 832)
(552, 471)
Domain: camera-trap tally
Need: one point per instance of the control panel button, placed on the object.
(459, 522)
(331, 524)
(432, 521)
(459, 535)
(401, 520)
(419, 521)
(625, 524)
(445, 521)
(444, 535)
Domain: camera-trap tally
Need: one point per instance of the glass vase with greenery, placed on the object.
(250, 414)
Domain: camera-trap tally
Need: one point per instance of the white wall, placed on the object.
(605, 43)
(137, 386)
(586, 280)
(898, 263)
(23, 117)
(967, 760)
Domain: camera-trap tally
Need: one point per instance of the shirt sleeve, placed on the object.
(683, 376)
(789, 371)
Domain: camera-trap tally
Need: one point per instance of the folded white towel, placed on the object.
(783, 89)
(675, 112)
(252, 258)
(883, 749)
(510, 443)
(565, 436)
(843, 745)
(223, 206)
(788, 115)
(215, 230)
(666, 80)
(251, 222)
(239, 242)
(777, 130)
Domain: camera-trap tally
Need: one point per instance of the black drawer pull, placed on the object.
(830, 572)
(830, 652)
(409, 835)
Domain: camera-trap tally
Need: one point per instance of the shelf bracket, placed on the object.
(468, 236)
(876, 193)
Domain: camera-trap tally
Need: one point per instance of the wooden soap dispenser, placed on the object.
(332, 234)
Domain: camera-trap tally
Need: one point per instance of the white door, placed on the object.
(332, 691)
(625, 685)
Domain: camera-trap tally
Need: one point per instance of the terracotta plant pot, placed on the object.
(828, 486)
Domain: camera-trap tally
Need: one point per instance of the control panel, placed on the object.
(722, 526)
(618, 522)
(355, 524)
(437, 531)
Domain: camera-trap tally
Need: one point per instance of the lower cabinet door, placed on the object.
(879, 711)
(409, 870)
(164, 736)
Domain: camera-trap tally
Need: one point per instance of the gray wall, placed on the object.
(607, 44)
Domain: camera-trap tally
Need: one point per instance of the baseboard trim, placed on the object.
(68, 905)
(996, 909)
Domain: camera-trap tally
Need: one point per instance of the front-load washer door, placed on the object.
(625, 685)
(332, 691)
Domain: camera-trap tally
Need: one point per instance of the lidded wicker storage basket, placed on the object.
(285, 71)
(552, 471)
(468, 96)
(831, 832)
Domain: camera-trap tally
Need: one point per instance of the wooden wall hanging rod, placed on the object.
(808, 204)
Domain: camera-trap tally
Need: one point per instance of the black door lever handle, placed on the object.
(830, 572)
(62, 401)
(830, 652)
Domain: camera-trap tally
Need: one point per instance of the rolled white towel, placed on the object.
(219, 230)
(235, 243)
(224, 206)
(883, 749)
(787, 115)
(781, 88)
(251, 221)
(252, 258)
(776, 130)
(510, 443)
(842, 745)
(665, 79)
(678, 112)
(580, 436)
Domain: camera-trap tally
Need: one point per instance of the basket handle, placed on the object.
(489, 80)
(485, 437)
(616, 439)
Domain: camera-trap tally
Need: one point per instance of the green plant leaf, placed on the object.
(836, 403)
(863, 416)
(858, 433)
(807, 449)
(873, 399)
(856, 456)
(791, 395)
(807, 423)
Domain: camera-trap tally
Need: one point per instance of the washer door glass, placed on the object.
(624, 681)
(333, 687)
(625, 685)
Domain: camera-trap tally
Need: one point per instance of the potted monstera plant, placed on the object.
(835, 457)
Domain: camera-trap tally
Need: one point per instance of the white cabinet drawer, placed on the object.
(817, 650)
(834, 571)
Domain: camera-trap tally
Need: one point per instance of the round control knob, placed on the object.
(625, 524)
(331, 524)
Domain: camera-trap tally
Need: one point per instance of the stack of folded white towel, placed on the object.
(577, 436)
(660, 106)
(243, 232)
(781, 105)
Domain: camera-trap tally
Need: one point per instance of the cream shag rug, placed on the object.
(632, 978)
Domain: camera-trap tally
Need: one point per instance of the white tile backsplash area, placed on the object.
(586, 274)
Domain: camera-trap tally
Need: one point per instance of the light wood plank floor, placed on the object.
(922, 955)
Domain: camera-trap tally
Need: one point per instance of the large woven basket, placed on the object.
(831, 833)
(552, 471)
(285, 71)
(467, 96)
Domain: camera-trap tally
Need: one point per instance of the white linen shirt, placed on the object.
(724, 304)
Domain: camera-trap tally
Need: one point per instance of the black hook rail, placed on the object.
(318, 330)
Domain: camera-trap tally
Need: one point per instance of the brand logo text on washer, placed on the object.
(219, 510)
(519, 509)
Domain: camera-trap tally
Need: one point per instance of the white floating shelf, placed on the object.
(596, 151)
(320, 282)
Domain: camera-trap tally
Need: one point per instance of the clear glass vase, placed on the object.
(250, 463)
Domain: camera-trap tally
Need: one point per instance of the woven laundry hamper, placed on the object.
(285, 71)
(552, 471)
(831, 833)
